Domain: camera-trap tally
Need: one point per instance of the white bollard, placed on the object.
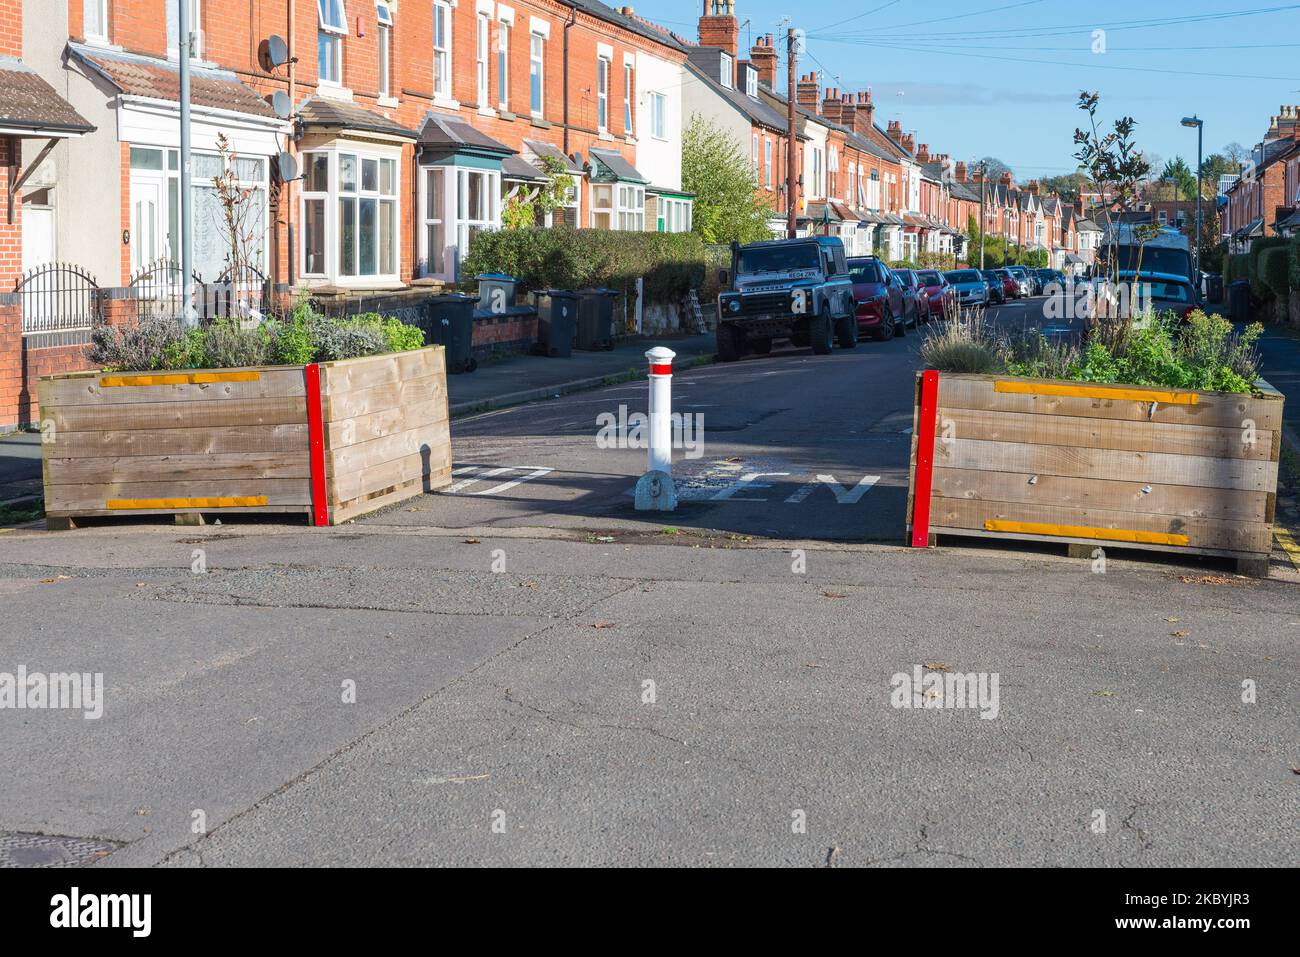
(661, 409)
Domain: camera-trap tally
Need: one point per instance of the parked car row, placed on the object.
(806, 290)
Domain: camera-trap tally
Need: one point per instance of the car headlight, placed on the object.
(734, 305)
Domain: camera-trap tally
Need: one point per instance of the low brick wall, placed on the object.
(24, 359)
(497, 337)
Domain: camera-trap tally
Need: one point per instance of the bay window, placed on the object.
(442, 49)
(333, 27)
(349, 215)
(456, 203)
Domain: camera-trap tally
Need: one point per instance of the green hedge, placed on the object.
(563, 258)
(1275, 271)
(1258, 287)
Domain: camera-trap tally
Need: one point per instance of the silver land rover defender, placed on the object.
(796, 289)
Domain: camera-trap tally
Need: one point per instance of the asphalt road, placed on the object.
(538, 675)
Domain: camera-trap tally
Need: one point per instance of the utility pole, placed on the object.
(983, 187)
(186, 44)
(792, 144)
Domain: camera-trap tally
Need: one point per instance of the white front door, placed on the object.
(38, 236)
(148, 220)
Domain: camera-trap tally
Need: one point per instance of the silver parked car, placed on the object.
(972, 291)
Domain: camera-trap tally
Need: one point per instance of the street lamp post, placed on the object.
(1194, 121)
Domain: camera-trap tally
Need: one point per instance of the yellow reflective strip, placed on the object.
(178, 378)
(232, 501)
(1097, 392)
(1287, 541)
(1084, 531)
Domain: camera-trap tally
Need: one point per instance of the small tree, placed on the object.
(1113, 162)
(727, 206)
(521, 212)
(242, 224)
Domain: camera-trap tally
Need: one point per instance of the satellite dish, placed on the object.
(277, 51)
(287, 166)
(281, 103)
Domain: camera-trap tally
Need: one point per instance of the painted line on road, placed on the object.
(476, 475)
(843, 496)
(535, 473)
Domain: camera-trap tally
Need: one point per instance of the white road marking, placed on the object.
(842, 495)
(535, 473)
(747, 482)
(465, 483)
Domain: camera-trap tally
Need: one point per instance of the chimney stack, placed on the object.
(1032, 187)
(807, 92)
(923, 153)
(764, 58)
(718, 26)
(909, 142)
(832, 105)
(895, 131)
(961, 171)
(1005, 178)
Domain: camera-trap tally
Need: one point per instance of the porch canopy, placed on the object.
(30, 109)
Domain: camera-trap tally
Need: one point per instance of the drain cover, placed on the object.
(45, 850)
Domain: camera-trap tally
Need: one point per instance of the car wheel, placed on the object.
(821, 332)
(728, 343)
(846, 332)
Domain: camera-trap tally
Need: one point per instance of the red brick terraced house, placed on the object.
(411, 123)
(34, 121)
(1264, 200)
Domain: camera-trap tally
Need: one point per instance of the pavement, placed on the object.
(523, 670)
(528, 378)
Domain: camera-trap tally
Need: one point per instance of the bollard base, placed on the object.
(655, 492)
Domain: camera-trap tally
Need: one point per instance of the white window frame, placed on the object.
(728, 70)
(456, 222)
(659, 116)
(503, 65)
(482, 57)
(629, 78)
(196, 13)
(767, 159)
(629, 207)
(335, 31)
(604, 65)
(442, 55)
(537, 71)
(100, 8)
(333, 198)
(755, 156)
(384, 33)
(751, 82)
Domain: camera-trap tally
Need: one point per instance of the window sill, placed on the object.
(487, 111)
(540, 123)
(605, 135)
(504, 114)
(333, 91)
(445, 103)
(388, 102)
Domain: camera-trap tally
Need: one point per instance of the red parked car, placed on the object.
(915, 306)
(878, 293)
(938, 293)
(1010, 287)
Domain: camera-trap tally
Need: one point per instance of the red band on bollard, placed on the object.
(656, 369)
(925, 427)
(316, 445)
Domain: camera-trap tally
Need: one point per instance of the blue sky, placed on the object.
(976, 78)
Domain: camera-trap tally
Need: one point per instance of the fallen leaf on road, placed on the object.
(936, 666)
(1206, 580)
(604, 538)
(832, 856)
(471, 541)
(833, 594)
(1179, 634)
(603, 624)
(1172, 619)
(56, 578)
(528, 584)
(1295, 770)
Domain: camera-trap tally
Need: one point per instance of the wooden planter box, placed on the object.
(1089, 465)
(332, 440)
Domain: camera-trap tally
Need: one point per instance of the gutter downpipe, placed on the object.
(572, 21)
